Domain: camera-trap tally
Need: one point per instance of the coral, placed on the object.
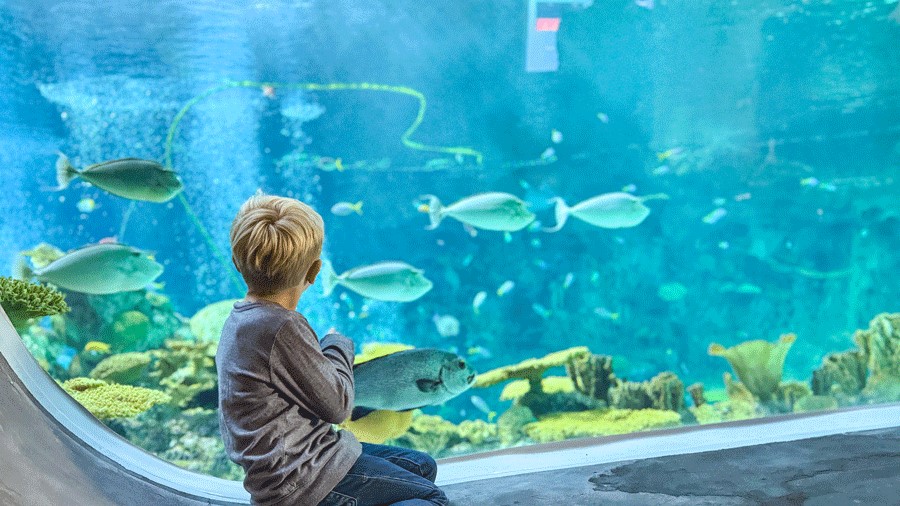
(599, 422)
(371, 351)
(724, 411)
(664, 391)
(23, 300)
(121, 368)
(815, 403)
(477, 431)
(758, 364)
(736, 391)
(531, 369)
(380, 425)
(437, 436)
(841, 374)
(43, 255)
(880, 344)
(185, 368)
(206, 324)
(696, 391)
(511, 422)
(789, 393)
(127, 331)
(109, 400)
(592, 375)
(514, 390)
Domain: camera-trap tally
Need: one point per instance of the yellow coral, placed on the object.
(23, 300)
(371, 351)
(758, 364)
(476, 431)
(599, 422)
(531, 369)
(380, 425)
(121, 368)
(127, 331)
(551, 385)
(109, 400)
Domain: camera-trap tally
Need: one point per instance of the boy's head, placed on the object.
(276, 243)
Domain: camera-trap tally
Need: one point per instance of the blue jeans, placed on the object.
(388, 475)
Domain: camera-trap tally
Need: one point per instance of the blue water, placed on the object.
(784, 115)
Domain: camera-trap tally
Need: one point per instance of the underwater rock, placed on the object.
(841, 374)
(758, 364)
(206, 324)
(23, 301)
(592, 375)
(122, 368)
(696, 391)
(880, 344)
(664, 391)
(600, 422)
(109, 400)
(511, 422)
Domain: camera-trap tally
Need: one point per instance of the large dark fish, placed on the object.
(409, 379)
(131, 178)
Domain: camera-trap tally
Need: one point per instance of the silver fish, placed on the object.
(488, 211)
(610, 210)
(98, 269)
(387, 281)
(131, 178)
(409, 379)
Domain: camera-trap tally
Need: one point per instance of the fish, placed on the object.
(345, 208)
(669, 153)
(86, 205)
(477, 301)
(481, 351)
(447, 325)
(482, 406)
(541, 310)
(569, 279)
(556, 136)
(809, 181)
(742, 197)
(715, 215)
(604, 313)
(97, 269)
(505, 287)
(97, 346)
(390, 281)
(472, 231)
(487, 211)
(268, 91)
(131, 178)
(549, 155)
(662, 170)
(329, 164)
(610, 210)
(409, 379)
(603, 117)
(646, 4)
(507, 237)
(630, 188)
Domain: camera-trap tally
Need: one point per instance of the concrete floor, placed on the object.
(843, 469)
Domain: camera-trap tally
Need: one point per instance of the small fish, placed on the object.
(467, 260)
(549, 154)
(505, 287)
(723, 245)
(386, 281)
(472, 231)
(478, 300)
(646, 4)
(669, 153)
(541, 310)
(409, 379)
(345, 208)
(131, 178)
(268, 91)
(329, 164)
(661, 170)
(447, 325)
(97, 269)
(809, 181)
(569, 279)
(86, 205)
(606, 314)
(630, 188)
(603, 117)
(770, 156)
(556, 136)
(742, 197)
(595, 277)
(610, 210)
(507, 237)
(482, 406)
(480, 351)
(719, 201)
(487, 211)
(97, 346)
(535, 243)
(715, 215)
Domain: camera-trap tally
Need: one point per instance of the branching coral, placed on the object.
(600, 422)
(109, 400)
(371, 351)
(123, 368)
(23, 300)
(592, 375)
(758, 364)
(532, 369)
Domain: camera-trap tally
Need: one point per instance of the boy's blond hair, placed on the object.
(274, 242)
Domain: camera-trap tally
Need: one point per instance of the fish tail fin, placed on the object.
(562, 214)
(22, 270)
(329, 278)
(358, 207)
(655, 196)
(434, 211)
(65, 173)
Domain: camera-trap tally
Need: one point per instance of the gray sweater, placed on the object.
(279, 392)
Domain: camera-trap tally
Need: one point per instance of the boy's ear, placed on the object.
(313, 271)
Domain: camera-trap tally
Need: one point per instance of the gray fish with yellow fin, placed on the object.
(409, 379)
(132, 178)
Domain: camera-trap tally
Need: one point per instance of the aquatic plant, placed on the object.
(599, 422)
(758, 364)
(206, 324)
(23, 301)
(110, 400)
(696, 392)
(123, 368)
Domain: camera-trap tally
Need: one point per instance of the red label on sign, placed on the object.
(547, 24)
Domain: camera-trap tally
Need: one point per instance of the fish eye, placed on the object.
(461, 364)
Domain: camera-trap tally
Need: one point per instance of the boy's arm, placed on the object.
(317, 377)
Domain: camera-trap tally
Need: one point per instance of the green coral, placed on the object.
(880, 344)
(23, 300)
(815, 403)
(599, 422)
(511, 423)
(758, 364)
(206, 324)
(788, 394)
(185, 368)
(110, 400)
(841, 374)
(127, 331)
(122, 368)
(663, 391)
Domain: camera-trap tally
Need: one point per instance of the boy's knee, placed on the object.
(427, 467)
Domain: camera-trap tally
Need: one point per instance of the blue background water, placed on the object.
(722, 82)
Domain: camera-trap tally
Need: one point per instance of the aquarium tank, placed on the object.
(624, 215)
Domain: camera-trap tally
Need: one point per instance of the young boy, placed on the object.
(280, 389)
